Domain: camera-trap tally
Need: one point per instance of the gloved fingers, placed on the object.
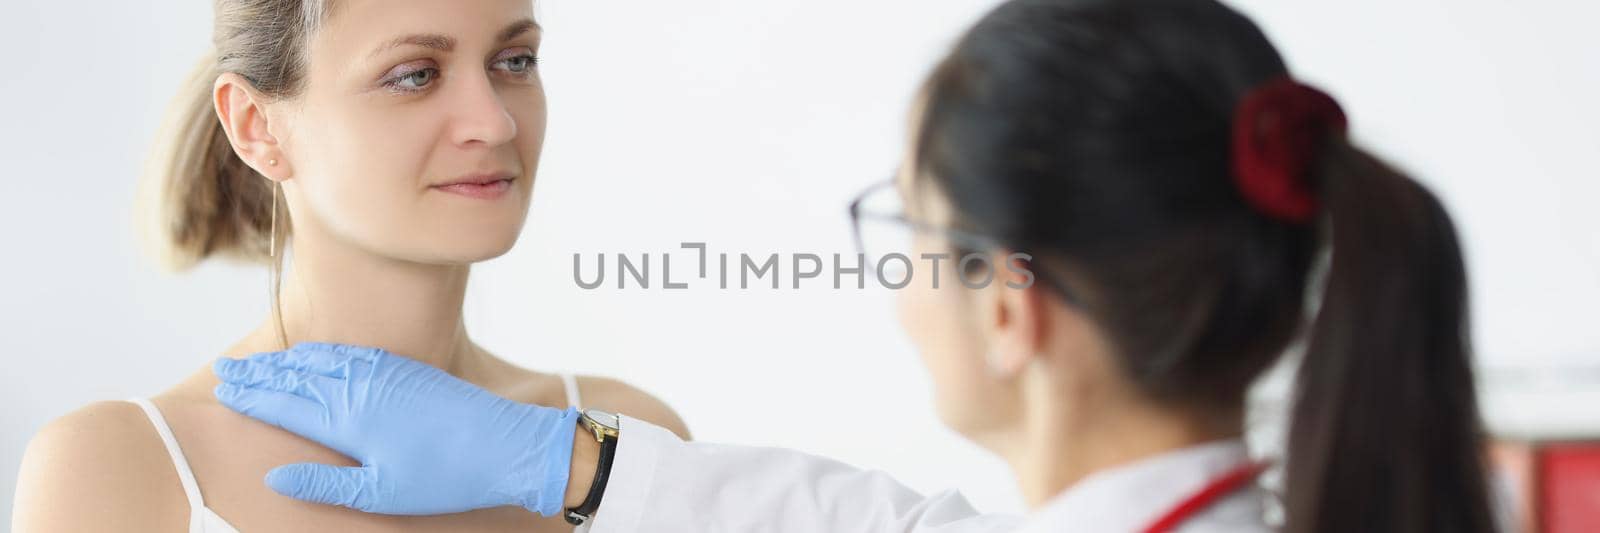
(257, 374)
(360, 353)
(317, 358)
(352, 487)
(290, 412)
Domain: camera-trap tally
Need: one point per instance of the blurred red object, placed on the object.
(1551, 487)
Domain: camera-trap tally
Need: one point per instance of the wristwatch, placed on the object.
(604, 426)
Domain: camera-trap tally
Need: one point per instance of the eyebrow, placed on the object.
(446, 43)
(517, 28)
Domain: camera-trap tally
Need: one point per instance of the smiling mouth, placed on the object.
(486, 190)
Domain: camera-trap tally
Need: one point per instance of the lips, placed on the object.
(481, 186)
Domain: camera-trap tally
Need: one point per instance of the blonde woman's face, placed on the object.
(403, 98)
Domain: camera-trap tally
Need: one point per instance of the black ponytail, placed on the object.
(1097, 136)
(1385, 434)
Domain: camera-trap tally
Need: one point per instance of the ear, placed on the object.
(1017, 315)
(242, 111)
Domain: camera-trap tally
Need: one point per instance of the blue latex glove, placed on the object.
(429, 443)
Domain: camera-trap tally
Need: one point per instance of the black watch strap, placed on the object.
(584, 511)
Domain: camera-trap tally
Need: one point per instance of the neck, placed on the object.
(340, 294)
(1062, 442)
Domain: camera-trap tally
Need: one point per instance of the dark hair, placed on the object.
(1096, 135)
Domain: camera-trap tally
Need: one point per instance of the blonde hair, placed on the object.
(197, 198)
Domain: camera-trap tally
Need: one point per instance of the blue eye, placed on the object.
(519, 64)
(415, 80)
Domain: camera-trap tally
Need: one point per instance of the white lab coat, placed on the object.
(660, 483)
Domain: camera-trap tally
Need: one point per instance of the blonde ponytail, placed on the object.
(197, 198)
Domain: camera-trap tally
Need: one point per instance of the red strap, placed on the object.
(1217, 488)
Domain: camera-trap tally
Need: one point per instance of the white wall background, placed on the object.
(748, 125)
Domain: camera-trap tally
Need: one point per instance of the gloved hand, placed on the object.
(429, 443)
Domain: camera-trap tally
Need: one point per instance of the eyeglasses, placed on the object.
(882, 229)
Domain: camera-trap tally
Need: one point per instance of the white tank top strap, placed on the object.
(185, 475)
(574, 397)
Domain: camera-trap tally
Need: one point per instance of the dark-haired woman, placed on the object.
(1162, 189)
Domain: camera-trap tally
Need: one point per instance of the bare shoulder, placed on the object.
(619, 397)
(94, 469)
(516, 383)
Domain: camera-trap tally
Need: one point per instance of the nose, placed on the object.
(480, 115)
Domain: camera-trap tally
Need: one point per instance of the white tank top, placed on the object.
(201, 518)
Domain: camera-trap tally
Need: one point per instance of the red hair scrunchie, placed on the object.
(1277, 130)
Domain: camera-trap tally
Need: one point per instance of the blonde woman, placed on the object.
(369, 152)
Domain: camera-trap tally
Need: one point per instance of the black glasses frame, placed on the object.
(965, 239)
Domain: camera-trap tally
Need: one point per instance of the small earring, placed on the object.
(272, 162)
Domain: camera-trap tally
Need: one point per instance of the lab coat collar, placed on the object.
(1132, 496)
